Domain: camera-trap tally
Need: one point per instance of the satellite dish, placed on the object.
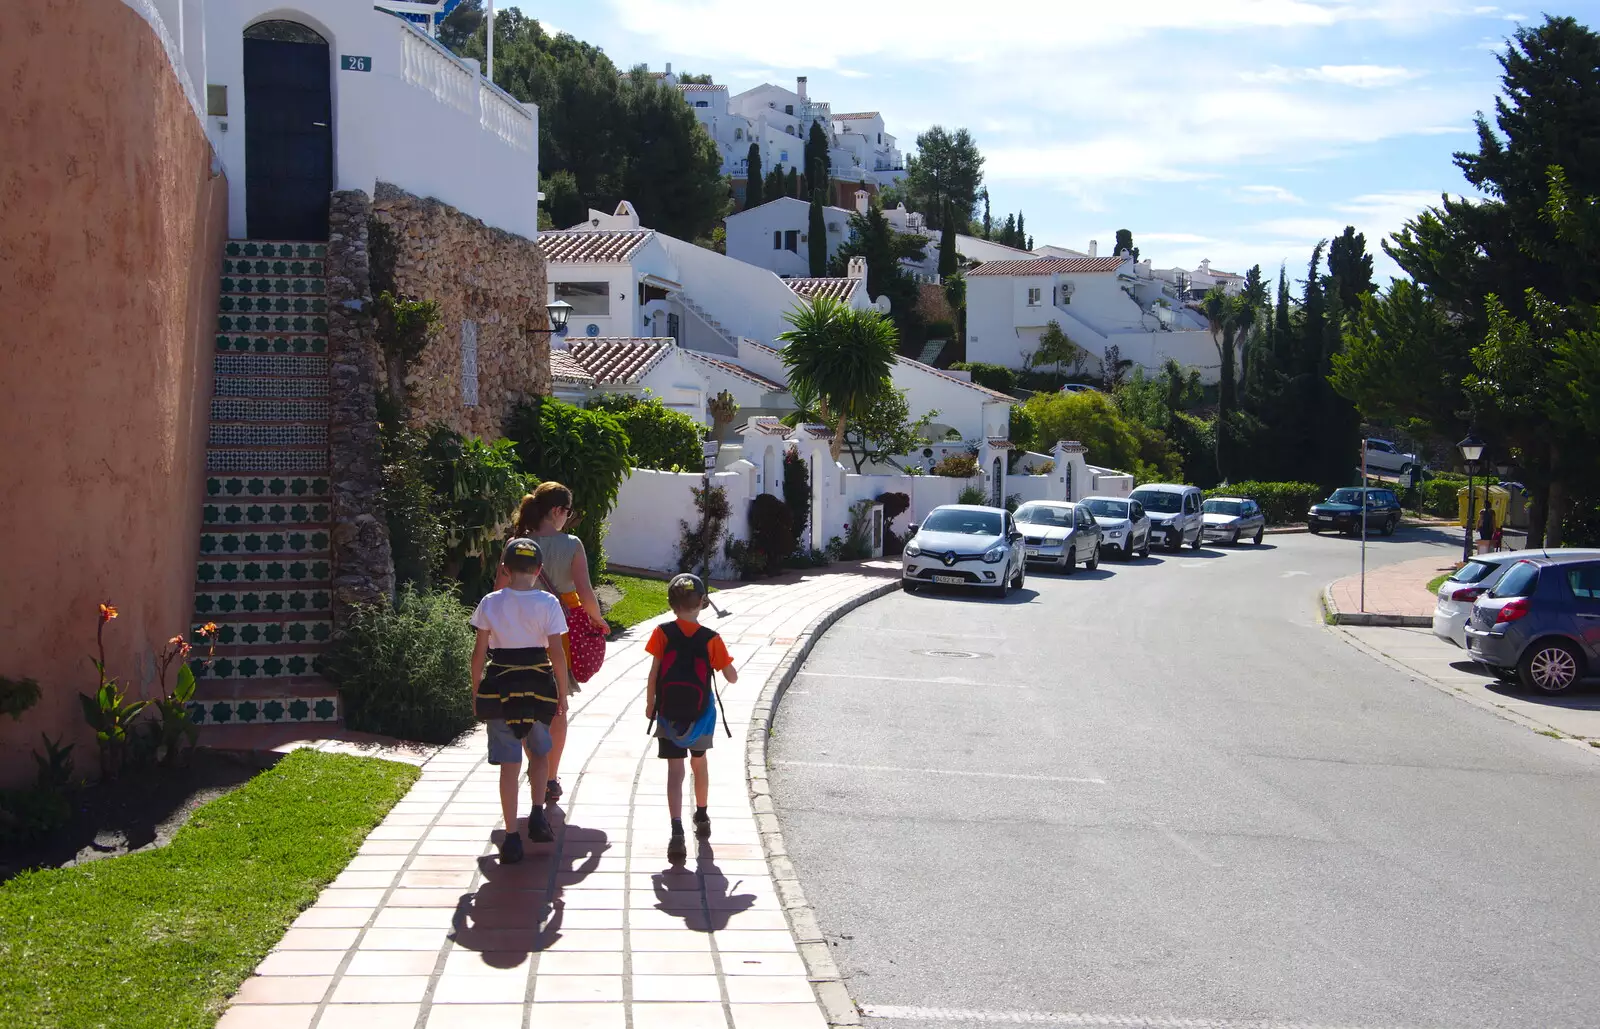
(882, 304)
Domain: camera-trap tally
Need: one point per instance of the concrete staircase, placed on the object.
(705, 317)
(265, 571)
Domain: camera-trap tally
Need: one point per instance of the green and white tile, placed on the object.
(267, 386)
(267, 487)
(295, 285)
(301, 632)
(248, 344)
(265, 666)
(265, 710)
(271, 304)
(274, 248)
(213, 604)
(272, 266)
(262, 516)
(265, 572)
(289, 541)
(306, 366)
(268, 409)
(272, 323)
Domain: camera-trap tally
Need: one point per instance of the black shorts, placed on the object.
(668, 749)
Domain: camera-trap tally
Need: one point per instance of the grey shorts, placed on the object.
(506, 749)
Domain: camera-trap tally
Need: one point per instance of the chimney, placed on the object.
(1094, 247)
(858, 268)
(669, 68)
(799, 85)
(863, 201)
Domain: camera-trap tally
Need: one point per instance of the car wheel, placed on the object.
(1094, 562)
(910, 585)
(1005, 584)
(1070, 564)
(1549, 666)
(1314, 530)
(1199, 538)
(1233, 541)
(1390, 526)
(1144, 551)
(1259, 533)
(1022, 575)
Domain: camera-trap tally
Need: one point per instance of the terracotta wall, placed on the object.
(492, 278)
(111, 225)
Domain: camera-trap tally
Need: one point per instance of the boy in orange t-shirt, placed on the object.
(681, 700)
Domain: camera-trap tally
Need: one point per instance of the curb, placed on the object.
(839, 1009)
(1333, 616)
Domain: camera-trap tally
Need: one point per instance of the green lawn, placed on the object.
(159, 939)
(1436, 582)
(642, 600)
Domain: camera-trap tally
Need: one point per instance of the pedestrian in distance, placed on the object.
(543, 517)
(1486, 526)
(520, 685)
(681, 701)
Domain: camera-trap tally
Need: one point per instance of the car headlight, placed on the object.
(1114, 533)
(912, 550)
(996, 554)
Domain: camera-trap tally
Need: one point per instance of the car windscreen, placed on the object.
(1106, 508)
(1518, 582)
(1346, 496)
(1224, 507)
(1155, 500)
(1044, 514)
(973, 523)
(1474, 571)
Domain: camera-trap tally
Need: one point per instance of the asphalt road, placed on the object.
(1166, 791)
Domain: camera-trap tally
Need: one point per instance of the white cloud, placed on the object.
(1268, 195)
(852, 73)
(1361, 76)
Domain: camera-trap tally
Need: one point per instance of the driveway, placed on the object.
(1167, 791)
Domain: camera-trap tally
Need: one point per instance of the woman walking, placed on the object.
(542, 517)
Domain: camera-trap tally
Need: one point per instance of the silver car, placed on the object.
(1457, 594)
(1230, 519)
(1060, 533)
(1124, 527)
(965, 545)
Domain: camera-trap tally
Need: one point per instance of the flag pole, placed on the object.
(489, 38)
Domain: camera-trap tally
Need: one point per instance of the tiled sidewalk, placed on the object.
(1397, 591)
(425, 930)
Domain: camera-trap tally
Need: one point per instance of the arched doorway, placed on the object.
(288, 134)
(769, 471)
(997, 499)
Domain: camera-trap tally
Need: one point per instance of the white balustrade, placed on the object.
(431, 68)
(505, 117)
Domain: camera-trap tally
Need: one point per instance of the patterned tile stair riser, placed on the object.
(242, 284)
(290, 250)
(305, 366)
(274, 266)
(269, 386)
(268, 304)
(245, 604)
(264, 515)
(242, 572)
(287, 461)
(292, 664)
(251, 409)
(274, 324)
(225, 434)
(299, 542)
(257, 344)
(266, 488)
(267, 709)
(293, 631)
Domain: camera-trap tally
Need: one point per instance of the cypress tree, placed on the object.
(792, 184)
(948, 259)
(817, 235)
(1022, 234)
(988, 223)
(752, 178)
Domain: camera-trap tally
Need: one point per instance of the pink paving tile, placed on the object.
(363, 880)
(679, 1016)
(319, 939)
(557, 962)
(413, 918)
(380, 989)
(369, 1016)
(395, 832)
(337, 898)
(391, 962)
(653, 919)
(770, 989)
(601, 899)
(460, 878)
(331, 918)
(268, 1016)
(377, 863)
(282, 989)
(301, 962)
(778, 1016)
(402, 939)
(481, 989)
(590, 939)
(372, 847)
(592, 918)
(577, 987)
(612, 1015)
(739, 964)
(676, 987)
(452, 848)
(487, 963)
(668, 939)
(424, 898)
(475, 1016)
(754, 918)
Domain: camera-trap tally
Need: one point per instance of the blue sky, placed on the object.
(1239, 130)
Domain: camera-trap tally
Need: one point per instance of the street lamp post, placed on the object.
(559, 311)
(1471, 451)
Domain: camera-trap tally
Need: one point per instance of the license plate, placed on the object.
(1033, 551)
(949, 580)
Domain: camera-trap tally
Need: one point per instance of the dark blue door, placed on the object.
(288, 142)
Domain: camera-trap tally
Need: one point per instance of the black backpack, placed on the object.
(683, 689)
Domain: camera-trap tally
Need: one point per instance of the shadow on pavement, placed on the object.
(1585, 696)
(704, 898)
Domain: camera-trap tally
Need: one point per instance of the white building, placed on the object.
(1099, 302)
(1201, 280)
(776, 235)
(872, 150)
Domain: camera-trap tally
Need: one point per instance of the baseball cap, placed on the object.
(684, 588)
(522, 555)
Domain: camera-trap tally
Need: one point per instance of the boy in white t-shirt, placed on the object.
(517, 688)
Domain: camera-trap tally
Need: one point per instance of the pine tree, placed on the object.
(1349, 262)
(1008, 231)
(1280, 320)
(752, 180)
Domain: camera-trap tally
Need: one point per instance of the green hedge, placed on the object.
(1281, 502)
(1437, 497)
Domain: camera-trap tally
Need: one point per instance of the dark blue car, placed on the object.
(1540, 623)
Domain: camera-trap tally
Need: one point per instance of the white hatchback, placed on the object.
(1456, 595)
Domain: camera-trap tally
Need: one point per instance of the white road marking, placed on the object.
(947, 681)
(970, 1017)
(944, 771)
(1290, 575)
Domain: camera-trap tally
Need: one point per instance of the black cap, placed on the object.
(685, 588)
(522, 555)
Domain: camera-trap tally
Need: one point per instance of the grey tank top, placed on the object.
(558, 551)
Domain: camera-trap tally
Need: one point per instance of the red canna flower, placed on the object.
(208, 629)
(107, 612)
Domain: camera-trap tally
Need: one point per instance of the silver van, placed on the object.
(1174, 511)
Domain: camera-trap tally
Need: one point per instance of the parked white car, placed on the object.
(1457, 594)
(965, 545)
(1124, 526)
(1060, 533)
(1386, 457)
(1174, 512)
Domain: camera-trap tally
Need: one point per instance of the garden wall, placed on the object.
(111, 229)
(489, 351)
(644, 530)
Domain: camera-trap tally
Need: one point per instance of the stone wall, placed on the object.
(363, 569)
(492, 279)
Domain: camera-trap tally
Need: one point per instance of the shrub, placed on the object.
(407, 672)
(796, 496)
(416, 532)
(894, 505)
(750, 563)
(771, 532)
(1112, 440)
(658, 436)
(698, 544)
(1438, 497)
(586, 451)
(1281, 502)
(990, 376)
(476, 488)
(973, 495)
(957, 466)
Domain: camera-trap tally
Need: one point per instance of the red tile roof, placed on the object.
(565, 368)
(931, 370)
(855, 116)
(766, 425)
(588, 246)
(1047, 266)
(835, 289)
(620, 360)
(687, 86)
(739, 372)
(817, 431)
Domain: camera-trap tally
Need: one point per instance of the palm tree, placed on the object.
(840, 358)
(1227, 317)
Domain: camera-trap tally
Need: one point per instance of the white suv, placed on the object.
(1174, 511)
